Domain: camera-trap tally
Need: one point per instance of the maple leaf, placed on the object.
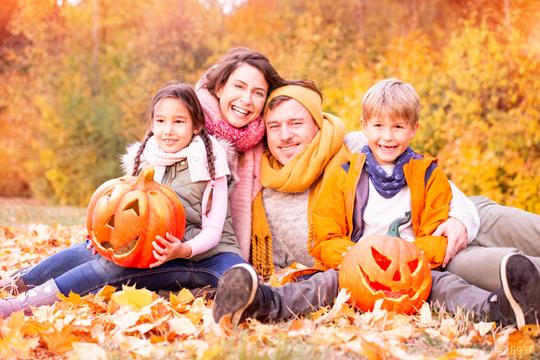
(106, 292)
(32, 327)
(135, 298)
(72, 298)
(181, 301)
(60, 341)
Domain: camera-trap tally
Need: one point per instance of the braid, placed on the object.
(209, 153)
(139, 153)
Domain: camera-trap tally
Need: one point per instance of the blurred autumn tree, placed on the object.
(77, 79)
(79, 86)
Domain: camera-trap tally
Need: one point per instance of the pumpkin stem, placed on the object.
(393, 229)
(146, 176)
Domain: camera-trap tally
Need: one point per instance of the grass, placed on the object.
(14, 211)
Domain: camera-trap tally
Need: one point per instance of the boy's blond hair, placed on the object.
(391, 98)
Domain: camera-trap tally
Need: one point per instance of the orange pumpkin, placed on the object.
(125, 215)
(389, 268)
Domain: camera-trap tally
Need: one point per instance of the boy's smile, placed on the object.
(388, 138)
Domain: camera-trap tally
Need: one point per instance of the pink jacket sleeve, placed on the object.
(212, 223)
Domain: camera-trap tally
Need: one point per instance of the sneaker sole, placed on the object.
(518, 312)
(236, 313)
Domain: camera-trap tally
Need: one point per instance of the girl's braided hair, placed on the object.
(186, 94)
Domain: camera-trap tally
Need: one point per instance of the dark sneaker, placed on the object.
(518, 300)
(235, 292)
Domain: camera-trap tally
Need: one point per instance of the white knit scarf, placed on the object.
(194, 153)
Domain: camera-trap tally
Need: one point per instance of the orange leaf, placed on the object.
(60, 342)
(73, 298)
(106, 292)
(32, 327)
(520, 344)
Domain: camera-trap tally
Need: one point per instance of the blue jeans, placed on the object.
(173, 275)
(57, 264)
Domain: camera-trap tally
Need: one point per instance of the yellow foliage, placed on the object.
(77, 86)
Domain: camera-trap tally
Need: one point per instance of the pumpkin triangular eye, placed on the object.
(134, 205)
(413, 265)
(380, 259)
(110, 222)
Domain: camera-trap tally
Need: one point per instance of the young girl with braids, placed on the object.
(194, 165)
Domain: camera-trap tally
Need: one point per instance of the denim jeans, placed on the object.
(172, 275)
(57, 264)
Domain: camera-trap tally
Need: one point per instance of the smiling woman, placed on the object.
(232, 94)
(241, 98)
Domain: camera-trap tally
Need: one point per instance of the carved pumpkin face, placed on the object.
(389, 268)
(125, 215)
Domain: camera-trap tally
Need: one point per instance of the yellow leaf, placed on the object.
(179, 302)
(73, 298)
(136, 299)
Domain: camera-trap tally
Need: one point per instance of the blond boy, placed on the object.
(386, 180)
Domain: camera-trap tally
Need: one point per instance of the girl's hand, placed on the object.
(169, 248)
(90, 245)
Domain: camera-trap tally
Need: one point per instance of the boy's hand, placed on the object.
(169, 248)
(456, 233)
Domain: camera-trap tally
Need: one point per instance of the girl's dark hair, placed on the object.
(186, 94)
(219, 74)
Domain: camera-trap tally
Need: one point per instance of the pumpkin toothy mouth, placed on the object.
(375, 286)
(123, 250)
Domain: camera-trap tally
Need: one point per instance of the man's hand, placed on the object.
(456, 233)
(169, 248)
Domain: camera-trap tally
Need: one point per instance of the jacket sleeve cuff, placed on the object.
(462, 209)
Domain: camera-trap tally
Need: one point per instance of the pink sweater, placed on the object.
(212, 223)
(244, 166)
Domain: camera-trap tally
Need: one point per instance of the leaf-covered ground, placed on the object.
(140, 324)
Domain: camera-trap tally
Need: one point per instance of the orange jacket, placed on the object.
(333, 213)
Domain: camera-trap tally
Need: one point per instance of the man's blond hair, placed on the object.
(391, 98)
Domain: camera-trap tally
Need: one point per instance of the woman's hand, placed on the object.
(456, 233)
(169, 248)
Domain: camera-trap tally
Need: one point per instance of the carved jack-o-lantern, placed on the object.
(389, 268)
(125, 215)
